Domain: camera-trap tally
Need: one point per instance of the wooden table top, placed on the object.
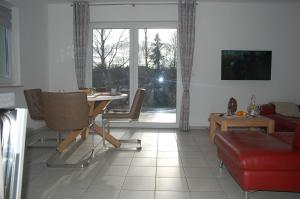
(234, 117)
(102, 97)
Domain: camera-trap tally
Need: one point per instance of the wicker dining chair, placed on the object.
(125, 117)
(40, 137)
(33, 99)
(67, 112)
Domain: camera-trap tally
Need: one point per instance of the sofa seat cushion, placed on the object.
(284, 123)
(286, 137)
(258, 151)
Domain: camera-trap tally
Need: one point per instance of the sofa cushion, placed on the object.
(267, 109)
(257, 151)
(286, 137)
(284, 123)
(287, 108)
(296, 142)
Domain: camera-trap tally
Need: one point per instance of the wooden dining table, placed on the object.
(98, 102)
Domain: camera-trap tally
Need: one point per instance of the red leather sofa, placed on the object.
(282, 123)
(258, 161)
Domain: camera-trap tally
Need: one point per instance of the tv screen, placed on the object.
(246, 65)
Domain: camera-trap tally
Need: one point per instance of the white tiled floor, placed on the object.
(172, 165)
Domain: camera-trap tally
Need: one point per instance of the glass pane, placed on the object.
(111, 61)
(157, 68)
(4, 72)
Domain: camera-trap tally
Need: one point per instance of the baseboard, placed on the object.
(199, 127)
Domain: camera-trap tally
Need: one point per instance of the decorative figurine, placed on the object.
(232, 106)
(253, 109)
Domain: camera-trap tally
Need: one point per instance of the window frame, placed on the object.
(7, 77)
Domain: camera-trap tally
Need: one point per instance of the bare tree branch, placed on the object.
(116, 48)
(107, 34)
(103, 50)
(124, 62)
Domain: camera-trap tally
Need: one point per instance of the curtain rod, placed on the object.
(132, 4)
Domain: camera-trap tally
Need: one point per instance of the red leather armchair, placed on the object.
(259, 161)
(282, 123)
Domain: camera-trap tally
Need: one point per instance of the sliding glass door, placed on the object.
(157, 72)
(132, 57)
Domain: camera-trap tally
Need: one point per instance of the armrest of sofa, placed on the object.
(296, 141)
(267, 109)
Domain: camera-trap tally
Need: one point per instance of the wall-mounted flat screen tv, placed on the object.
(246, 65)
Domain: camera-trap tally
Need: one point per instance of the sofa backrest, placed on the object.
(269, 109)
(296, 141)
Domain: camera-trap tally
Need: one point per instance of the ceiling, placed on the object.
(157, 1)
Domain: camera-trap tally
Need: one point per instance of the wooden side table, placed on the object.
(224, 122)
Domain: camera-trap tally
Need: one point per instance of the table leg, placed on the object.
(96, 110)
(91, 106)
(70, 137)
(212, 129)
(224, 126)
(85, 133)
(99, 108)
(111, 139)
(271, 127)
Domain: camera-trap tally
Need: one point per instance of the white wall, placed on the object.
(34, 47)
(228, 25)
(34, 43)
(31, 49)
(60, 40)
(254, 26)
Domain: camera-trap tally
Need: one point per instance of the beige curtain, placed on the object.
(186, 38)
(81, 20)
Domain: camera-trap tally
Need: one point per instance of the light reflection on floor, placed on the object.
(158, 117)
